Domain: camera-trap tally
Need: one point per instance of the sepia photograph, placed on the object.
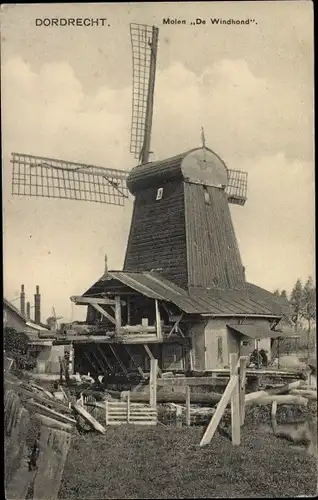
(159, 293)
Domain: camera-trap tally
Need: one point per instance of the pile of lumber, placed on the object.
(298, 392)
(58, 410)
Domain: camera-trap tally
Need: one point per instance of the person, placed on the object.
(256, 358)
(264, 357)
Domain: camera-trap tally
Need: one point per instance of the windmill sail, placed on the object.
(144, 41)
(52, 178)
(236, 189)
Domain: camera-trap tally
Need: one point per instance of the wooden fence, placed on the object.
(125, 412)
(234, 392)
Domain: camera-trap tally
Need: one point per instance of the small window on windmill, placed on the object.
(159, 194)
(206, 195)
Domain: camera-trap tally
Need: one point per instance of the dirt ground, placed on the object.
(168, 463)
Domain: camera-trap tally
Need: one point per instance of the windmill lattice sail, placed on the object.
(52, 178)
(144, 41)
(236, 189)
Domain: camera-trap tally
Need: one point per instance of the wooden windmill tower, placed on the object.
(182, 257)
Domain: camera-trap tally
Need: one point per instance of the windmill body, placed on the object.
(182, 295)
(181, 222)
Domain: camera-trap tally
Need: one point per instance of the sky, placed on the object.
(67, 93)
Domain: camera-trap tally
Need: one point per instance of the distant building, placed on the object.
(40, 336)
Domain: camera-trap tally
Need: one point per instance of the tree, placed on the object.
(309, 306)
(296, 301)
(283, 294)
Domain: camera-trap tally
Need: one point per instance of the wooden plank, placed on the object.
(252, 396)
(122, 366)
(77, 299)
(288, 399)
(242, 384)
(90, 361)
(209, 433)
(98, 361)
(54, 424)
(192, 381)
(188, 406)
(49, 412)
(176, 325)
(235, 403)
(128, 406)
(40, 399)
(151, 356)
(117, 313)
(104, 357)
(88, 417)
(140, 370)
(104, 313)
(153, 382)
(158, 321)
(47, 393)
(106, 413)
(273, 416)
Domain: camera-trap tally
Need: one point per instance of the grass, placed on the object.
(167, 462)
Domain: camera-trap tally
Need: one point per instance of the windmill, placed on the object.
(181, 222)
(52, 321)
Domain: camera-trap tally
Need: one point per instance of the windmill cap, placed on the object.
(200, 166)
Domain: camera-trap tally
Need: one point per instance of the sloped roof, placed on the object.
(251, 301)
(255, 331)
(10, 306)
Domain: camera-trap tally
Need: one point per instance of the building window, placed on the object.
(206, 195)
(220, 349)
(159, 194)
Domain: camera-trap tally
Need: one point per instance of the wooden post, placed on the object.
(148, 351)
(128, 311)
(106, 412)
(158, 321)
(235, 403)
(153, 382)
(188, 406)
(128, 407)
(218, 414)
(72, 359)
(178, 416)
(117, 313)
(257, 353)
(273, 416)
(242, 383)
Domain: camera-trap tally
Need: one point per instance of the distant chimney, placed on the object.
(37, 306)
(28, 310)
(106, 264)
(22, 301)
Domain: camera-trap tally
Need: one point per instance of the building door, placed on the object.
(246, 346)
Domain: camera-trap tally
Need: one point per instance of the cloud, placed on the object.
(256, 124)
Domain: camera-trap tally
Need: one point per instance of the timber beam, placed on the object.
(151, 356)
(104, 313)
(119, 361)
(140, 370)
(78, 300)
(193, 381)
